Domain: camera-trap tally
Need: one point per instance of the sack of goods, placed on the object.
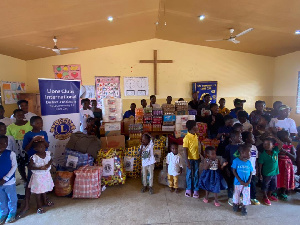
(87, 182)
(76, 159)
(112, 110)
(132, 162)
(111, 161)
(63, 183)
(159, 151)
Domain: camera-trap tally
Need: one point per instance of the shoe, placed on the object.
(244, 211)
(255, 201)
(267, 201)
(217, 204)
(144, 188)
(188, 193)
(205, 200)
(10, 219)
(230, 202)
(196, 194)
(235, 207)
(150, 190)
(273, 198)
(2, 219)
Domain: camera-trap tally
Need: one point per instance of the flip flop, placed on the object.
(188, 193)
(196, 194)
(205, 200)
(217, 204)
(40, 211)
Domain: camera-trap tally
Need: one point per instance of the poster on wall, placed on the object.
(11, 91)
(136, 86)
(206, 87)
(107, 87)
(67, 72)
(60, 112)
(87, 91)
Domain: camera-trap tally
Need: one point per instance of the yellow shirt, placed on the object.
(190, 142)
(224, 111)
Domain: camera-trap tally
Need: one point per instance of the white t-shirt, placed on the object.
(288, 124)
(12, 146)
(84, 114)
(254, 156)
(174, 163)
(14, 166)
(7, 121)
(147, 154)
(26, 115)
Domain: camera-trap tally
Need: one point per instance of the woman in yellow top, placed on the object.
(222, 109)
(18, 129)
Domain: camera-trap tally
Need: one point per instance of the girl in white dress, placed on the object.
(41, 181)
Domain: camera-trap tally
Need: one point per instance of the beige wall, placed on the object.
(12, 69)
(286, 81)
(238, 74)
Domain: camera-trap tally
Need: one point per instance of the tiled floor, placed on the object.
(126, 205)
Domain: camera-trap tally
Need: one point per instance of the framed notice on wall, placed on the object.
(107, 87)
(136, 86)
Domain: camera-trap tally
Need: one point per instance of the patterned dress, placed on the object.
(211, 179)
(285, 178)
(41, 180)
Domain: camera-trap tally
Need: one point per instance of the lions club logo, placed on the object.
(127, 164)
(107, 168)
(62, 128)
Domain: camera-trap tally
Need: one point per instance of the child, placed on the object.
(256, 114)
(248, 139)
(11, 141)
(237, 127)
(211, 178)
(268, 167)
(23, 105)
(229, 156)
(7, 121)
(192, 156)
(242, 170)
(174, 167)
(8, 194)
(85, 113)
(222, 109)
(224, 134)
(41, 181)
(148, 161)
(36, 135)
(18, 129)
(91, 128)
(214, 121)
(242, 119)
(285, 178)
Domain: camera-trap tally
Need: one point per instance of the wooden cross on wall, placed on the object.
(155, 61)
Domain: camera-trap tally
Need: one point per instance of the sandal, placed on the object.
(283, 197)
(196, 194)
(40, 211)
(188, 193)
(217, 204)
(205, 200)
(49, 203)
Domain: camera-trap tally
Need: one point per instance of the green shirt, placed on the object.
(18, 132)
(269, 163)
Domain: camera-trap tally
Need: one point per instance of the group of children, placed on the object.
(23, 143)
(249, 152)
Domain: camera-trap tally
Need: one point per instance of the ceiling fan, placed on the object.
(55, 48)
(232, 37)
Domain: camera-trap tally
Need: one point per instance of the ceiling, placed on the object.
(84, 24)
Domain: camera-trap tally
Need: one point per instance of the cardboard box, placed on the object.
(126, 123)
(180, 133)
(192, 117)
(169, 118)
(112, 126)
(168, 128)
(113, 133)
(113, 142)
(182, 119)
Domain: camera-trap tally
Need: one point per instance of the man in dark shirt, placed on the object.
(130, 112)
(195, 102)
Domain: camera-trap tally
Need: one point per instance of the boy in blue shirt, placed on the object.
(8, 194)
(36, 135)
(242, 170)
